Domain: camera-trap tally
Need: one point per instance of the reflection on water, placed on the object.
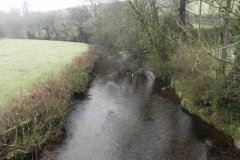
(131, 118)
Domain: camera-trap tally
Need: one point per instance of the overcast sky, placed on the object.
(36, 5)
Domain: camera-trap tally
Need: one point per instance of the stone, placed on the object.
(238, 144)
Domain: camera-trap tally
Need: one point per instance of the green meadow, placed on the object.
(24, 63)
(193, 7)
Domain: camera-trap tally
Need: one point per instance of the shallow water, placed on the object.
(130, 117)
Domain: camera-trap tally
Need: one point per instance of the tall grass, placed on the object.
(28, 122)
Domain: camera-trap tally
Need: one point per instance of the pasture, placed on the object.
(27, 62)
(193, 7)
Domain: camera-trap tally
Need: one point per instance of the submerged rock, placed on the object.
(168, 88)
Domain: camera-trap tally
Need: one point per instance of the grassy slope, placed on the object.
(25, 62)
(194, 8)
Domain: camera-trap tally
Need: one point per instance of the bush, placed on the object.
(31, 35)
(209, 35)
(230, 94)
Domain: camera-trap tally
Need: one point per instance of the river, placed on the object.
(128, 117)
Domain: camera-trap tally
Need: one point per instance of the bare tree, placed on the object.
(25, 8)
(94, 6)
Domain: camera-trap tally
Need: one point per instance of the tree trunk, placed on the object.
(225, 37)
(183, 12)
(182, 17)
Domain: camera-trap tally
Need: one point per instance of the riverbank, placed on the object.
(220, 119)
(29, 122)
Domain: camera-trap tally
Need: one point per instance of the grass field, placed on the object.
(193, 7)
(27, 62)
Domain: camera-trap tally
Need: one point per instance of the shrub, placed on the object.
(31, 35)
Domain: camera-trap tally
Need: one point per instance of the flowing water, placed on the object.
(129, 117)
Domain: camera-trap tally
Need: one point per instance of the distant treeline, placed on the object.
(102, 23)
(66, 24)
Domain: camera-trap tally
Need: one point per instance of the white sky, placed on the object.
(39, 5)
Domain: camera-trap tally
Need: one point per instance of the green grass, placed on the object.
(193, 7)
(27, 62)
(196, 25)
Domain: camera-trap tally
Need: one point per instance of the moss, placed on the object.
(16, 155)
(16, 131)
(14, 128)
(10, 156)
(22, 124)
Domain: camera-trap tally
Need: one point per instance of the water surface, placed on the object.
(129, 117)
